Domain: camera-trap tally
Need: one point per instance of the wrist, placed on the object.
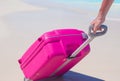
(101, 17)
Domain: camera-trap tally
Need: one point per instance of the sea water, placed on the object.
(79, 1)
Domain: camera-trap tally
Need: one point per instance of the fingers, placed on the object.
(96, 24)
(96, 27)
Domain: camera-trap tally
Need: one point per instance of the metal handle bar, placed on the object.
(92, 35)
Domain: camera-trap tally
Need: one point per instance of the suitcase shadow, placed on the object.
(73, 76)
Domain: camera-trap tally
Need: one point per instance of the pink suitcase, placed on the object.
(54, 53)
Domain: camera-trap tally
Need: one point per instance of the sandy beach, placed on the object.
(23, 21)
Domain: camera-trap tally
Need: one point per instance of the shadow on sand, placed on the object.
(73, 76)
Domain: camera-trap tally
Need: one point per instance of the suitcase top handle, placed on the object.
(98, 33)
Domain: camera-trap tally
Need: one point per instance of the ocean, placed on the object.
(79, 1)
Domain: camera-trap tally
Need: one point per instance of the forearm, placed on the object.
(106, 4)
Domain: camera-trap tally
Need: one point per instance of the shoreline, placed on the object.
(78, 7)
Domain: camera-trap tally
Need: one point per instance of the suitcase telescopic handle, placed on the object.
(91, 36)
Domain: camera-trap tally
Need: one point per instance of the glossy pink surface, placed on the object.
(50, 51)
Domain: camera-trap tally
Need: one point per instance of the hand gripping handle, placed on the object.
(98, 33)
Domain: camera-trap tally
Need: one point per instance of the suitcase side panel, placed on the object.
(41, 64)
(28, 53)
(31, 52)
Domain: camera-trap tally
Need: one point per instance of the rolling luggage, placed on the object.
(56, 52)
